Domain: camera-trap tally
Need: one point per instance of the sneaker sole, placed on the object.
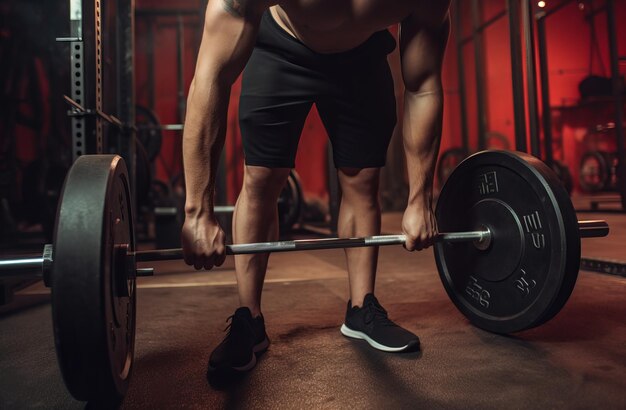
(258, 348)
(261, 347)
(354, 334)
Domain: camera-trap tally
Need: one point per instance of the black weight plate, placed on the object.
(290, 203)
(93, 299)
(527, 274)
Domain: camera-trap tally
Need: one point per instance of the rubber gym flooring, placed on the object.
(575, 361)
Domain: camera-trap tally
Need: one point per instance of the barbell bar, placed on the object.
(481, 238)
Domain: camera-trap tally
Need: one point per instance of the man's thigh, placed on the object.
(276, 98)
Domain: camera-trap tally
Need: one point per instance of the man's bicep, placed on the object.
(422, 47)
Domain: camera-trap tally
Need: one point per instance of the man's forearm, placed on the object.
(423, 116)
(203, 141)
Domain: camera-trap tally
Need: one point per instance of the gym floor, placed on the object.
(577, 360)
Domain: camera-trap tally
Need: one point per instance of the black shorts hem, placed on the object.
(268, 163)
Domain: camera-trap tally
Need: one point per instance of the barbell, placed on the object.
(508, 255)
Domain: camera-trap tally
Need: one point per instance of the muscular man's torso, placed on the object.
(330, 26)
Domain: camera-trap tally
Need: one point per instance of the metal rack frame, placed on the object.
(540, 18)
(87, 77)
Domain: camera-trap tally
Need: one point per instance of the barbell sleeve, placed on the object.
(24, 265)
(593, 228)
(28, 265)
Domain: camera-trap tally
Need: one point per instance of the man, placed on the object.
(332, 53)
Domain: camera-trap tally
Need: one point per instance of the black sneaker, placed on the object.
(246, 337)
(370, 323)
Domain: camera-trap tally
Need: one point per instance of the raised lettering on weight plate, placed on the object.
(533, 226)
(488, 183)
(524, 284)
(477, 292)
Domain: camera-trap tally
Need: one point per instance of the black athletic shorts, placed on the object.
(353, 91)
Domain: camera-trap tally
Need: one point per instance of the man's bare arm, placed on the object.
(422, 45)
(230, 31)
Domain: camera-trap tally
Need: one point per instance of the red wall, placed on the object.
(568, 42)
(568, 38)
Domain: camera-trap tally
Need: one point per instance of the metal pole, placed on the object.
(545, 89)
(86, 76)
(461, 76)
(77, 67)
(517, 75)
(94, 72)
(316, 244)
(150, 57)
(619, 100)
(125, 27)
(544, 78)
(481, 239)
(531, 78)
(480, 75)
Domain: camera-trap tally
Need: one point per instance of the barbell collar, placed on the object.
(46, 264)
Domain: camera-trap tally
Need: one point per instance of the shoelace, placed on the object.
(378, 313)
(229, 327)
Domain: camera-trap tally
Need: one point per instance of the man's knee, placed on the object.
(261, 183)
(361, 182)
